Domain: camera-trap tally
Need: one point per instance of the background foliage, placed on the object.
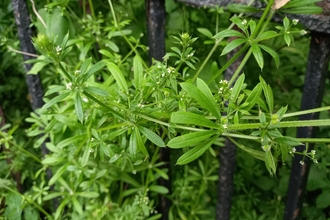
(103, 180)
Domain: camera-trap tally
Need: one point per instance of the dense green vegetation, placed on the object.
(108, 113)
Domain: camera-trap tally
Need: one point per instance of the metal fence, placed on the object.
(318, 60)
(319, 26)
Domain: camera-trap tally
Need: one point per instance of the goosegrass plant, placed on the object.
(106, 120)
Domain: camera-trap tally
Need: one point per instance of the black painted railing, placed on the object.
(318, 61)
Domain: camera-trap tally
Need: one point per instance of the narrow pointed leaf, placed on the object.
(229, 33)
(258, 55)
(93, 69)
(252, 98)
(192, 119)
(203, 100)
(79, 108)
(268, 94)
(140, 143)
(152, 136)
(138, 72)
(190, 139)
(57, 99)
(289, 141)
(57, 174)
(271, 52)
(270, 162)
(255, 153)
(196, 152)
(119, 77)
(237, 88)
(232, 45)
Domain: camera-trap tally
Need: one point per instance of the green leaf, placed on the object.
(111, 45)
(152, 136)
(84, 66)
(232, 45)
(77, 205)
(91, 195)
(196, 152)
(303, 10)
(258, 55)
(229, 33)
(205, 32)
(298, 3)
(54, 88)
(239, 8)
(253, 96)
(270, 162)
(31, 213)
(268, 94)
(93, 69)
(57, 174)
(119, 77)
(84, 159)
(323, 201)
(203, 100)
(37, 67)
(66, 142)
(53, 195)
(286, 23)
(287, 39)
(271, 52)
(190, 139)
(255, 153)
(56, 99)
(78, 107)
(192, 119)
(237, 88)
(267, 35)
(138, 72)
(13, 208)
(139, 141)
(252, 25)
(98, 91)
(289, 141)
(52, 160)
(158, 189)
(284, 152)
(61, 207)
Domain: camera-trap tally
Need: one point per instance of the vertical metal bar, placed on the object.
(156, 28)
(155, 10)
(227, 159)
(317, 65)
(34, 84)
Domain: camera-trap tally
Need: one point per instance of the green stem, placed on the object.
(306, 123)
(261, 20)
(240, 136)
(104, 105)
(113, 14)
(240, 67)
(314, 140)
(232, 60)
(92, 8)
(215, 47)
(321, 109)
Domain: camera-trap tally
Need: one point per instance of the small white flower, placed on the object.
(313, 152)
(295, 21)
(303, 32)
(244, 22)
(225, 126)
(302, 162)
(58, 49)
(77, 72)
(293, 149)
(315, 161)
(69, 86)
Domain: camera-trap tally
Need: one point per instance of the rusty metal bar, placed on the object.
(155, 10)
(318, 61)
